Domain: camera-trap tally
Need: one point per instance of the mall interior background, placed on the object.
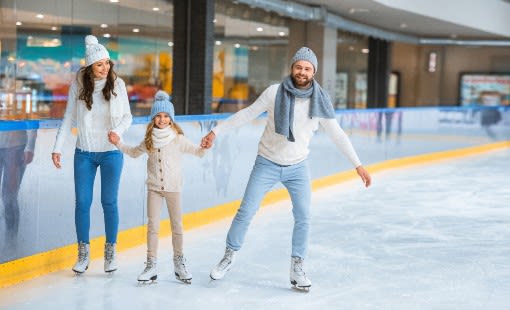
(42, 46)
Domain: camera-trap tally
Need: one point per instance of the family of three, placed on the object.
(99, 108)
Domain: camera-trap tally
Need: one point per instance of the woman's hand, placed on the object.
(55, 157)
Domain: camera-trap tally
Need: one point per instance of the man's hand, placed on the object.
(364, 175)
(208, 140)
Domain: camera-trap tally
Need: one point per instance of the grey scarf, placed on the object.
(320, 105)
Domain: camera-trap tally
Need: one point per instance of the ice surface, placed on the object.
(435, 236)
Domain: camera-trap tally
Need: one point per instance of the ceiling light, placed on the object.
(104, 26)
(19, 23)
(170, 43)
(40, 16)
(136, 30)
(259, 29)
(237, 45)
(357, 10)
(106, 35)
(54, 28)
(155, 9)
(217, 42)
(214, 20)
(365, 50)
(281, 34)
(114, 1)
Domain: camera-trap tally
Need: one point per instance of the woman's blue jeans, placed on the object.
(85, 168)
(265, 174)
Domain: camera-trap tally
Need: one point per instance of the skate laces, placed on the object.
(149, 264)
(180, 262)
(109, 252)
(227, 259)
(298, 266)
(82, 252)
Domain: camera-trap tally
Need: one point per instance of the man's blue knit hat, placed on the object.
(162, 103)
(306, 54)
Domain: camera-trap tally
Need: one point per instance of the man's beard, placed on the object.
(301, 82)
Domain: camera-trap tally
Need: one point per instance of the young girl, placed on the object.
(164, 143)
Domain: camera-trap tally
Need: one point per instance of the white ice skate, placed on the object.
(224, 265)
(297, 275)
(150, 273)
(82, 263)
(180, 270)
(110, 258)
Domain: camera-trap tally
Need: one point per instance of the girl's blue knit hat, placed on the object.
(162, 103)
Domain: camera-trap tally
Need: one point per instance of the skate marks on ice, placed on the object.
(431, 237)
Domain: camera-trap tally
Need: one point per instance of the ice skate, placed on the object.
(110, 258)
(82, 263)
(224, 265)
(180, 270)
(150, 273)
(297, 275)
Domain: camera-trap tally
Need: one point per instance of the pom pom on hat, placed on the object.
(306, 54)
(94, 51)
(162, 103)
(90, 39)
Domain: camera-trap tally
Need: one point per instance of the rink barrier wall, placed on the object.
(40, 264)
(419, 136)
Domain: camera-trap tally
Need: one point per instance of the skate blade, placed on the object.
(149, 281)
(187, 281)
(304, 289)
(79, 273)
(146, 282)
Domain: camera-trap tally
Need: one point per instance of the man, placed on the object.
(295, 109)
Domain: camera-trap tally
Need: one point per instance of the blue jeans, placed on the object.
(265, 174)
(85, 168)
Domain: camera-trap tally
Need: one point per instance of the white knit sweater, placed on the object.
(276, 147)
(164, 168)
(93, 126)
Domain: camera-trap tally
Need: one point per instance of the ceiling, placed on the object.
(390, 19)
(384, 14)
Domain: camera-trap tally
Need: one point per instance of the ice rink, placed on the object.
(435, 236)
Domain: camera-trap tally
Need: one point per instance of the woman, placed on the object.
(97, 105)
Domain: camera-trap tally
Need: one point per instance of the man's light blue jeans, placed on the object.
(265, 174)
(85, 168)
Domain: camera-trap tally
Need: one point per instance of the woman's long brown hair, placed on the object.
(87, 82)
(149, 145)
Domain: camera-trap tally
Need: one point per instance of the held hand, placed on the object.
(364, 175)
(29, 156)
(56, 159)
(208, 140)
(113, 138)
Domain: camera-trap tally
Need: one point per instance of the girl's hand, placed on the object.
(208, 140)
(113, 137)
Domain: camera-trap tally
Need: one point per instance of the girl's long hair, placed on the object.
(87, 81)
(149, 145)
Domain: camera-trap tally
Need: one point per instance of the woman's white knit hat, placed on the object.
(94, 51)
(162, 103)
(306, 54)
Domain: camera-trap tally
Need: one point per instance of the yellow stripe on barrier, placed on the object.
(29, 267)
